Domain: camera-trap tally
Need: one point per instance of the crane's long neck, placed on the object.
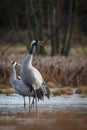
(14, 73)
(31, 49)
(27, 62)
(30, 56)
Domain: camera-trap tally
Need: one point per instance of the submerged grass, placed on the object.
(63, 91)
(7, 91)
(82, 90)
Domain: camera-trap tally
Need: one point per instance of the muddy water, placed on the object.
(58, 113)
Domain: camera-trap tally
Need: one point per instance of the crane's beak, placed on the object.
(41, 43)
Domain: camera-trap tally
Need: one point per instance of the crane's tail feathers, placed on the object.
(46, 90)
(40, 93)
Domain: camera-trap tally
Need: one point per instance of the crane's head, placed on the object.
(14, 63)
(36, 42)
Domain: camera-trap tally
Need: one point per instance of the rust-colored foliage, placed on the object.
(61, 71)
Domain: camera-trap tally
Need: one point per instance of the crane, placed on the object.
(31, 76)
(19, 85)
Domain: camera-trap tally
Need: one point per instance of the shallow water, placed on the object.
(58, 113)
(14, 103)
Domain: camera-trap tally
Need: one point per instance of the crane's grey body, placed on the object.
(19, 85)
(29, 74)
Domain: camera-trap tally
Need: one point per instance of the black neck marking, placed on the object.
(31, 49)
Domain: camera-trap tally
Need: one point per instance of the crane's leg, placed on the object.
(24, 102)
(33, 101)
(32, 104)
(29, 100)
(29, 104)
(36, 99)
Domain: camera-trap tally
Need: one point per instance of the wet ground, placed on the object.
(58, 113)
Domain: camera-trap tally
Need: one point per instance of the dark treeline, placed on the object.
(56, 20)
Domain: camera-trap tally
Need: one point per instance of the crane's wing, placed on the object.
(42, 88)
(35, 78)
(20, 87)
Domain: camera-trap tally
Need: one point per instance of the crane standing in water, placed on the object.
(19, 85)
(31, 76)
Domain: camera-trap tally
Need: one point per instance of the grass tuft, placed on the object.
(81, 90)
(7, 91)
(63, 91)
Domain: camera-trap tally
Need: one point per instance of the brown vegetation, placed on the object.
(7, 91)
(57, 71)
(82, 90)
(62, 71)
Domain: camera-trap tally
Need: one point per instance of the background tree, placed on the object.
(55, 20)
(68, 30)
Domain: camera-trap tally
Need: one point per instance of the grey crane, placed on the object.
(19, 85)
(31, 76)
